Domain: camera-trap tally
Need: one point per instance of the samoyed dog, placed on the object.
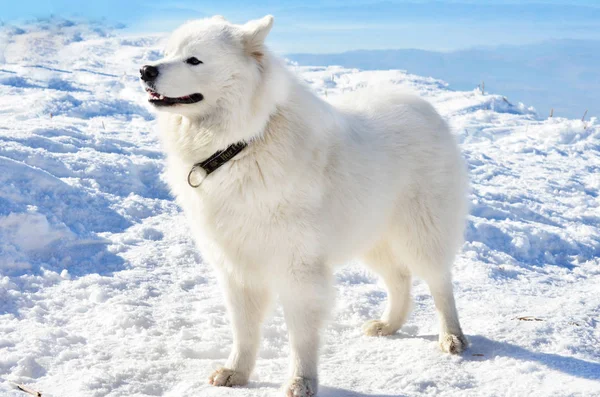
(279, 185)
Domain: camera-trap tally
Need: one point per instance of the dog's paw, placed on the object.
(377, 328)
(453, 344)
(300, 387)
(227, 377)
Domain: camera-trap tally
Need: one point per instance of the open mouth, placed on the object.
(160, 100)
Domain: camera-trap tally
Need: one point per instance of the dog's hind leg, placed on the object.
(428, 233)
(397, 279)
(247, 305)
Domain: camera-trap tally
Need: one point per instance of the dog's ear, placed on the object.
(255, 33)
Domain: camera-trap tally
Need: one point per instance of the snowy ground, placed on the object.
(102, 292)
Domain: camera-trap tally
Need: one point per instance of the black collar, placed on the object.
(215, 161)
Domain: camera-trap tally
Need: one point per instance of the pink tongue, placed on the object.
(157, 95)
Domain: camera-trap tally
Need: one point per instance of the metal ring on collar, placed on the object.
(189, 178)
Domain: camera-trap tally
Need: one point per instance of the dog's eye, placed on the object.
(193, 61)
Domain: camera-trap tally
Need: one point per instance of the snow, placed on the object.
(103, 293)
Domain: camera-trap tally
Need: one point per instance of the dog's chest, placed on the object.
(249, 224)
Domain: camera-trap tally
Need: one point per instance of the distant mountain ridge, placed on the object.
(559, 74)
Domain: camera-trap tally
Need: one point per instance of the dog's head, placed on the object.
(207, 63)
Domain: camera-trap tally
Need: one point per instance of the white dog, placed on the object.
(279, 185)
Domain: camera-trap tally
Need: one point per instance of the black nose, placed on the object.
(148, 73)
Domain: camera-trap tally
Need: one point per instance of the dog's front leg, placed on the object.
(306, 301)
(247, 305)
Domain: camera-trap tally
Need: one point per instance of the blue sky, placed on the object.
(335, 26)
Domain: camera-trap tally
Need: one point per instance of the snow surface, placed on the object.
(102, 292)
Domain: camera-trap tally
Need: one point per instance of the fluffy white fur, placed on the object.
(378, 177)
